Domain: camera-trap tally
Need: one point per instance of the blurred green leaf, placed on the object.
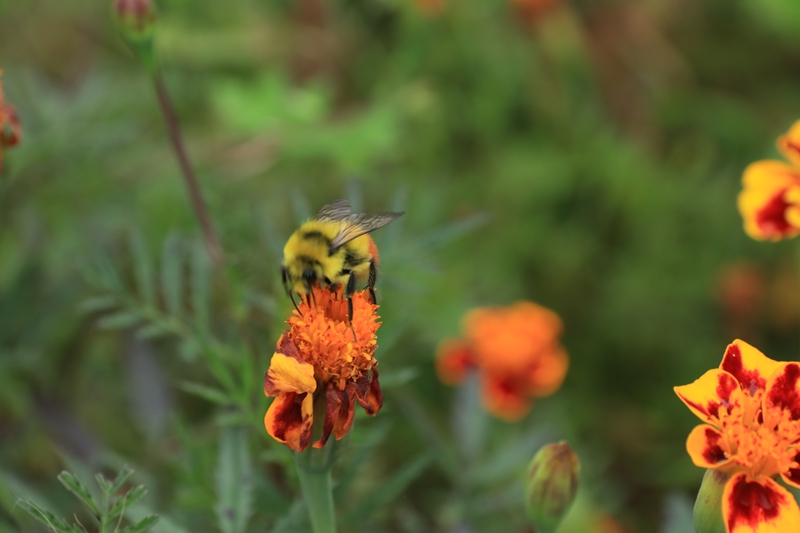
(209, 393)
(234, 481)
(82, 493)
(145, 524)
(172, 274)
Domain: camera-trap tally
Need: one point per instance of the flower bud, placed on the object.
(136, 20)
(708, 507)
(551, 486)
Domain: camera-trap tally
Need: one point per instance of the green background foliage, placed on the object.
(587, 159)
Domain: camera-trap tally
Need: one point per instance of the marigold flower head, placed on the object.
(319, 361)
(10, 130)
(515, 349)
(750, 407)
(770, 200)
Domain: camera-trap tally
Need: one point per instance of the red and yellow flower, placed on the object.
(770, 200)
(515, 349)
(10, 129)
(319, 363)
(750, 407)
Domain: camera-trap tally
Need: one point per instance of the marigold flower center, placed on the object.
(340, 350)
(761, 442)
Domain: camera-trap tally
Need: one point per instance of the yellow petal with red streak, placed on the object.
(714, 390)
(789, 144)
(762, 202)
(758, 506)
(707, 447)
(783, 391)
(289, 419)
(287, 374)
(748, 365)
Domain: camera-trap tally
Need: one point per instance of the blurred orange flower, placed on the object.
(430, 7)
(750, 407)
(516, 349)
(10, 130)
(318, 362)
(530, 12)
(770, 200)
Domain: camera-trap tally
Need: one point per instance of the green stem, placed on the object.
(316, 486)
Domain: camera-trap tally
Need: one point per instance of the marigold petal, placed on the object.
(287, 374)
(783, 390)
(334, 399)
(792, 476)
(748, 365)
(346, 414)
(503, 398)
(762, 201)
(758, 506)
(368, 393)
(289, 419)
(705, 446)
(789, 144)
(453, 360)
(714, 389)
(548, 373)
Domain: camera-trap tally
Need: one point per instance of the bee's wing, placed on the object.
(334, 211)
(361, 224)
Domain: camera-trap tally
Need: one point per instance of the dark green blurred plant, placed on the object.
(107, 510)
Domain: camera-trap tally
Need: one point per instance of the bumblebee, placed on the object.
(333, 248)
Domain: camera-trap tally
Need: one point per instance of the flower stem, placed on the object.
(195, 196)
(316, 486)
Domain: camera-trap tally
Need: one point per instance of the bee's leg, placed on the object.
(288, 288)
(373, 278)
(348, 292)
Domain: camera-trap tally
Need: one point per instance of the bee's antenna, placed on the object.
(350, 317)
(313, 297)
(291, 297)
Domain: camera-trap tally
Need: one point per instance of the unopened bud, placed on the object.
(708, 506)
(137, 21)
(551, 486)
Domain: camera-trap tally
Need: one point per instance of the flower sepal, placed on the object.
(551, 486)
(708, 506)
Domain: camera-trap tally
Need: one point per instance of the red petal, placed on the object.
(368, 393)
(335, 399)
(289, 420)
(504, 398)
(749, 366)
(783, 389)
(346, 414)
(704, 447)
(758, 506)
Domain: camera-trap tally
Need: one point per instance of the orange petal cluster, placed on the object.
(770, 198)
(323, 363)
(10, 129)
(750, 407)
(515, 349)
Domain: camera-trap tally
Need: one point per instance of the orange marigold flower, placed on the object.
(770, 200)
(318, 362)
(10, 130)
(516, 349)
(751, 410)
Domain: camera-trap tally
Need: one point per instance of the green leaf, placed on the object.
(142, 525)
(172, 274)
(45, 517)
(121, 478)
(153, 331)
(234, 481)
(201, 284)
(120, 320)
(143, 269)
(209, 393)
(98, 303)
(76, 487)
(131, 497)
(105, 486)
(389, 490)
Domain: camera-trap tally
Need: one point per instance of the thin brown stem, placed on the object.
(196, 197)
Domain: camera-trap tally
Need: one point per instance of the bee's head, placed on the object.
(300, 277)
